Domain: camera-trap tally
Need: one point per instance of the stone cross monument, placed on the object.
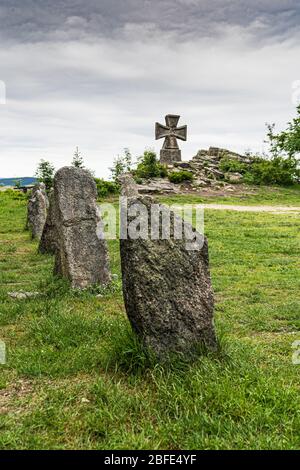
(170, 151)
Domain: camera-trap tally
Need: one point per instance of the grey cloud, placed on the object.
(98, 74)
(40, 20)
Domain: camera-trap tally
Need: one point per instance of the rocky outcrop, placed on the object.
(207, 170)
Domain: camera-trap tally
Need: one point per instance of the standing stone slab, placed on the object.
(37, 211)
(49, 236)
(167, 289)
(80, 250)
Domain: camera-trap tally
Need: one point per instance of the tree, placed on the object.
(45, 173)
(18, 183)
(77, 159)
(149, 166)
(121, 165)
(283, 168)
(288, 141)
(127, 160)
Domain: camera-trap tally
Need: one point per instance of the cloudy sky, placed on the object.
(98, 73)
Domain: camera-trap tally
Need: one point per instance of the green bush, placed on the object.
(15, 195)
(138, 180)
(106, 188)
(278, 170)
(232, 166)
(283, 167)
(149, 166)
(180, 176)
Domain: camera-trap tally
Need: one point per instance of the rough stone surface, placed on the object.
(22, 295)
(128, 186)
(168, 156)
(81, 253)
(206, 168)
(233, 177)
(167, 289)
(49, 236)
(158, 186)
(37, 211)
(170, 152)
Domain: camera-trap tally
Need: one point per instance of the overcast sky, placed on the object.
(97, 74)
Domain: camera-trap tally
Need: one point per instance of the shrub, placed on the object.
(283, 167)
(278, 170)
(15, 195)
(232, 165)
(138, 180)
(149, 166)
(180, 176)
(106, 188)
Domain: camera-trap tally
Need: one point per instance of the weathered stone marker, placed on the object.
(81, 253)
(170, 151)
(37, 210)
(49, 236)
(167, 287)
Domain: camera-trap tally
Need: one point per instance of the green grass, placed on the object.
(77, 378)
(242, 195)
(249, 196)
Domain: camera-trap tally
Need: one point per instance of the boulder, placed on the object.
(23, 295)
(157, 186)
(234, 177)
(184, 165)
(37, 211)
(166, 282)
(81, 254)
(128, 185)
(220, 153)
(49, 237)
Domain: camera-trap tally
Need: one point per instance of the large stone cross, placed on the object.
(170, 151)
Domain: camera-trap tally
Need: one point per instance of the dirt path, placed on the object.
(273, 209)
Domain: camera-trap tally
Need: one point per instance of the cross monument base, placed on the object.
(169, 156)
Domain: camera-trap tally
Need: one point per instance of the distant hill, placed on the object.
(25, 181)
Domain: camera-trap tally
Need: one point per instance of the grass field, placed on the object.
(76, 378)
(251, 195)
